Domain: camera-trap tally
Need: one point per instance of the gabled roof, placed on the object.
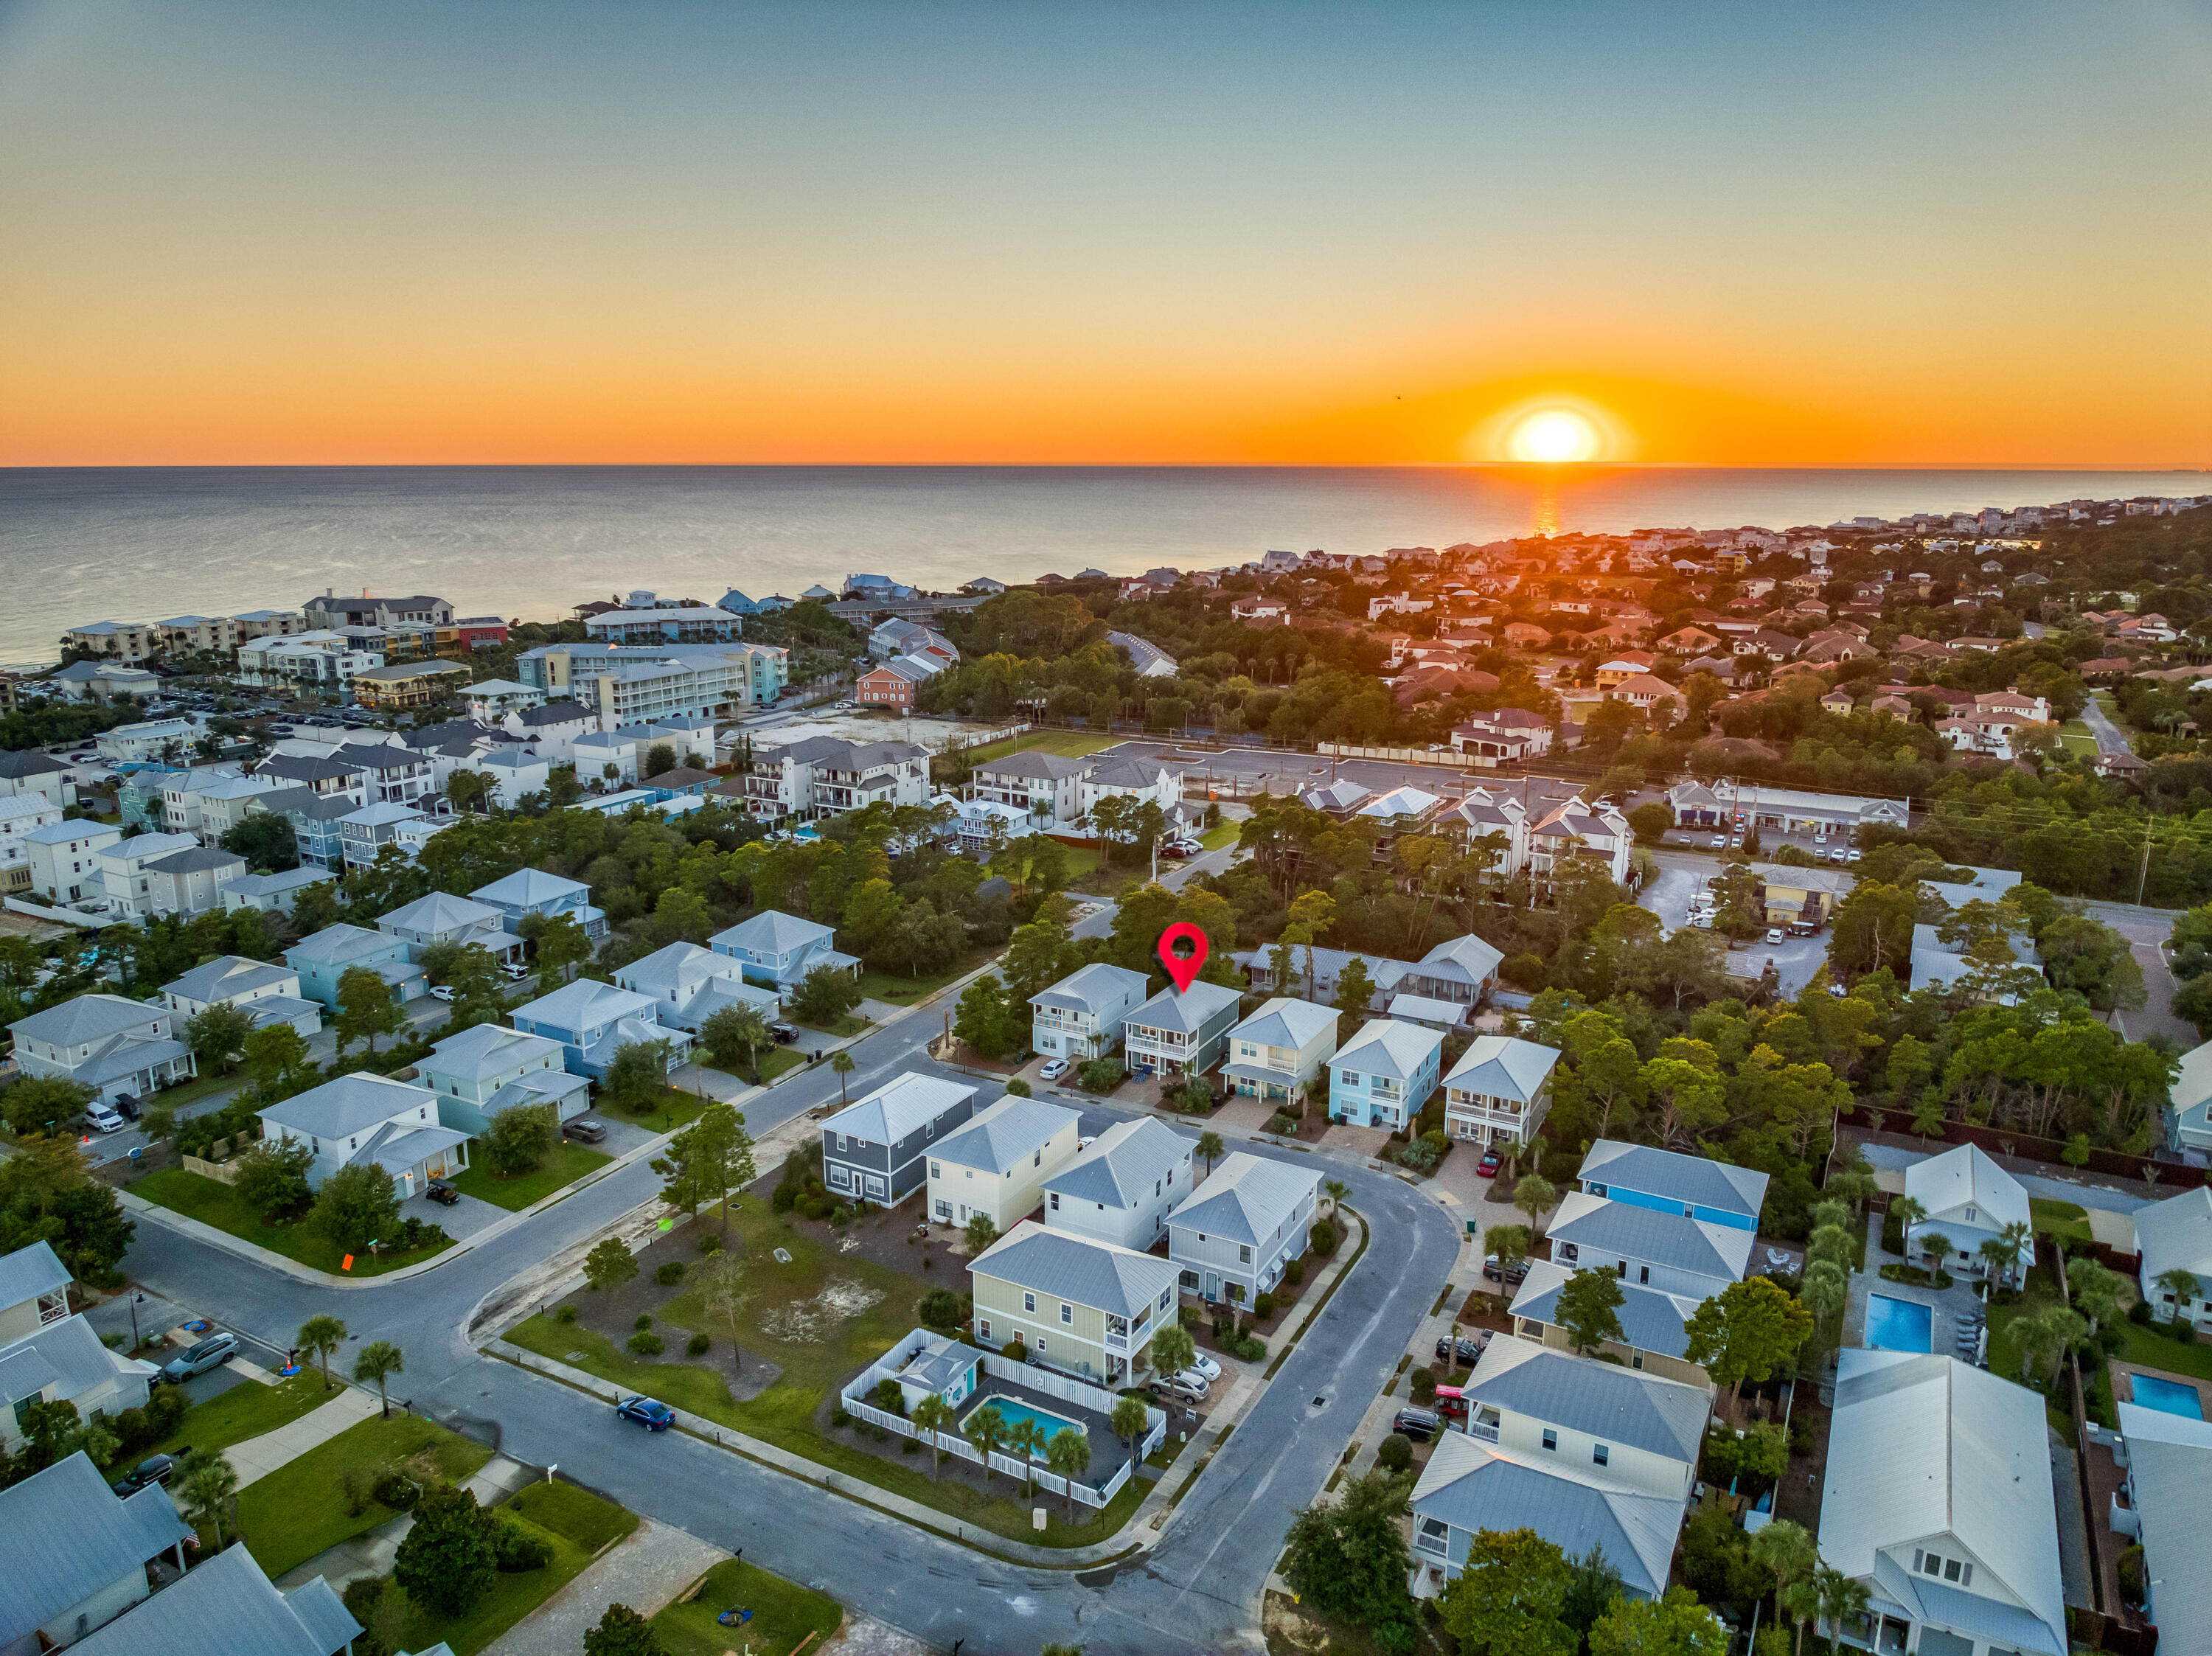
(1921, 1447)
(1467, 960)
(1283, 1021)
(1473, 1486)
(583, 1005)
(1400, 802)
(772, 932)
(72, 1354)
(196, 859)
(441, 911)
(30, 1271)
(486, 1049)
(1089, 987)
(68, 1537)
(1128, 773)
(1187, 1010)
(227, 975)
(898, 1107)
(1651, 1321)
(229, 1607)
(1965, 1176)
(1388, 1047)
(16, 767)
(86, 1018)
(1329, 964)
(1343, 794)
(2170, 1464)
(1247, 1199)
(677, 969)
(554, 713)
(1121, 1165)
(1503, 1066)
(1611, 1404)
(1076, 1269)
(1010, 1132)
(349, 1104)
(340, 941)
(1692, 1179)
(1659, 1239)
(2176, 1234)
(1046, 766)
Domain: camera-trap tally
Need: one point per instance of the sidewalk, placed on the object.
(371, 1552)
(258, 1457)
(646, 1570)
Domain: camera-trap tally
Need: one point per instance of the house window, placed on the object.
(1565, 1251)
(1029, 1302)
(1244, 1255)
(1644, 1274)
(1190, 1281)
(944, 1212)
(1052, 1202)
(982, 1328)
(1067, 1315)
(1551, 1438)
(1600, 1455)
(1038, 1342)
(935, 1171)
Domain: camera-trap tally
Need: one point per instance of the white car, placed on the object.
(1720, 842)
(1052, 1069)
(515, 974)
(1205, 1367)
(1773, 934)
(1838, 855)
(442, 992)
(1852, 856)
(104, 1117)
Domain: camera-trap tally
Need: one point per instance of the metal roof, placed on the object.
(1092, 986)
(1248, 1198)
(1189, 1011)
(1649, 1320)
(1388, 1047)
(1283, 1021)
(1503, 1066)
(30, 1271)
(1468, 959)
(486, 1048)
(1965, 1176)
(340, 941)
(2176, 1233)
(68, 1538)
(1121, 1165)
(898, 1107)
(1692, 1179)
(1645, 1234)
(1921, 1447)
(73, 1354)
(351, 1104)
(1611, 1404)
(2170, 1464)
(440, 911)
(1010, 1132)
(1077, 1268)
(772, 932)
(227, 975)
(585, 1005)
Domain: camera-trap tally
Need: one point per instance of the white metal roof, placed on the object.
(1248, 1198)
(897, 1109)
(1388, 1047)
(1966, 1176)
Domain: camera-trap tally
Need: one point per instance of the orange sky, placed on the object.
(256, 234)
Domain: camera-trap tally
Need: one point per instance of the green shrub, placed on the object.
(1283, 1124)
(668, 1274)
(890, 1397)
(1323, 1237)
(2139, 1313)
(647, 1345)
(698, 1345)
(1263, 1305)
(514, 1548)
(1524, 971)
(564, 1314)
(1018, 1088)
(1251, 1347)
(710, 1241)
(1015, 1351)
(940, 1308)
(840, 1217)
(1423, 1384)
(1295, 1272)
(1393, 1453)
(839, 1418)
(1102, 1075)
(644, 1321)
(395, 1489)
(785, 1198)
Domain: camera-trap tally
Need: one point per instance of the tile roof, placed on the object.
(1248, 1198)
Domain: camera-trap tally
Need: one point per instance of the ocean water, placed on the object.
(84, 545)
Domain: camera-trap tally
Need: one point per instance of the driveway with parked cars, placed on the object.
(1672, 895)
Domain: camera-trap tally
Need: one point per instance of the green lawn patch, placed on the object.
(812, 1370)
(677, 1108)
(247, 1410)
(2068, 1221)
(905, 991)
(1222, 835)
(774, 1061)
(196, 1089)
(783, 1614)
(302, 1508)
(214, 1203)
(565, 1164)
(2153, 1349)
(509, 1598)
(850, 1024)
(583, 1517)
(1068, 744)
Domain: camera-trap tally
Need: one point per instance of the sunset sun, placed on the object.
(1552, 437)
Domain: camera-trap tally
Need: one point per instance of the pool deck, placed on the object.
(1107, 1451)
(1953, 1308)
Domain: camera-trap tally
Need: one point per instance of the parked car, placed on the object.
(1720, 842)
(1853, 854)
(1491, 1271)
(1177, 1388)
(1052, 1069)
(442, 1193)
(441, 992)
(1774, 934)
(785, 1034)
(1838, 855)
(1492, 1161)
(515, 974)
(154, 1469)
(1206, 1367)
(653, 1417)
(1421, 1425)
(1174, 848)
(584, 1130)
(198, 1357)
(103, 1118)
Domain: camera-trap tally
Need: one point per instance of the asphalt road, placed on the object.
(2110, 738)
(1198, 1590)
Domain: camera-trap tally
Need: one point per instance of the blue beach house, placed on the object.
(1667, 1181)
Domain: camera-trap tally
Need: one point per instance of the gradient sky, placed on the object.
(1863, 234)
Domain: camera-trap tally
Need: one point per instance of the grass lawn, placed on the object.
(783, 1613)
(2063, 1220)
(565, 1164)
(813, 1368)
(301, 1509)
(579, 1514)
(2154, 1349)
(905, 991)
(214, 1203)
(247, 1410)
(573, 1522)
(2078, 738)
(199, 1087)
(1068, 744)
(1223, 833)
(774, 1061)
(677, 1108)
(851, 1024)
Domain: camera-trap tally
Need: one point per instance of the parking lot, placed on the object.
(1680, 882)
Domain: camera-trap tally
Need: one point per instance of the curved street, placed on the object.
(1197, 1590)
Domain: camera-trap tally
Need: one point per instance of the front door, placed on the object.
(1212, 1288)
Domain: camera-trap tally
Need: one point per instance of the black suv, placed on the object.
(1466, 1350)
(1420, 1425)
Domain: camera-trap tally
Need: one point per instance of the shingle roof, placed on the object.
(87, 1018)
(68, 1537)
(1611, 1404)
(1651, 1321)
(1010, 1132)
(1661, 1239)
(1474, 1486)
(1074, 1268)
(30, 1271)
(17, 766)
(351, 1104)
(555, 712)
(1692, 1179)
(227, 975)
(1922, 1446)
(1387, 1048)
(897, 1109)
(1248, 1198)
(1121, 1165)
(1089, 987)
(1128, 773)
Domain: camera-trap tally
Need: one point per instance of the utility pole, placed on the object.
(2143, 880)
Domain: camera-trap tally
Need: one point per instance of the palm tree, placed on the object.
(318, 1336)
(2181, 1285)
(1129, 1419)
(933, 1415)
(1789, 1552)
(1842, 1598)
(1936, 1248)
(841, 1065)
(1069, 1454)
(2097, 1293)
(380, 1359)
(1825, 1290)
(2005, 1249)
(205, 1483)
(1210, 1147)
(1800, 1602)
(1172, 1349)
(1338, 1189)
(1908, 1213)
(987, 1430)
(1532, 1194)
(1025, 1438)
(750, 1024)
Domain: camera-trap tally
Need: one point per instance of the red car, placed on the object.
(1488, 1167)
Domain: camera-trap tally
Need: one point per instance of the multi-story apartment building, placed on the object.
(630, 684)
(1047, 786)
(125, 640)
(147, 740)
(332, 611)
(409, 683)
(326, 663)
(689, 624)
(1499, 1091)
(823, 777)
(1079, 1018)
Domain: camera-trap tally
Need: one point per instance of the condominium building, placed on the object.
(823, 777)
(325, 661)
(409, 683)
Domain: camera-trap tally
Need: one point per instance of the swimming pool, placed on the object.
(2167, 1397)
(1014, 1411)
(1899, 1325)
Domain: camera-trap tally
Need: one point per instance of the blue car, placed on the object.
(653, 1417)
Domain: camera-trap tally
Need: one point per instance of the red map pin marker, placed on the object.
(1182, 952)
